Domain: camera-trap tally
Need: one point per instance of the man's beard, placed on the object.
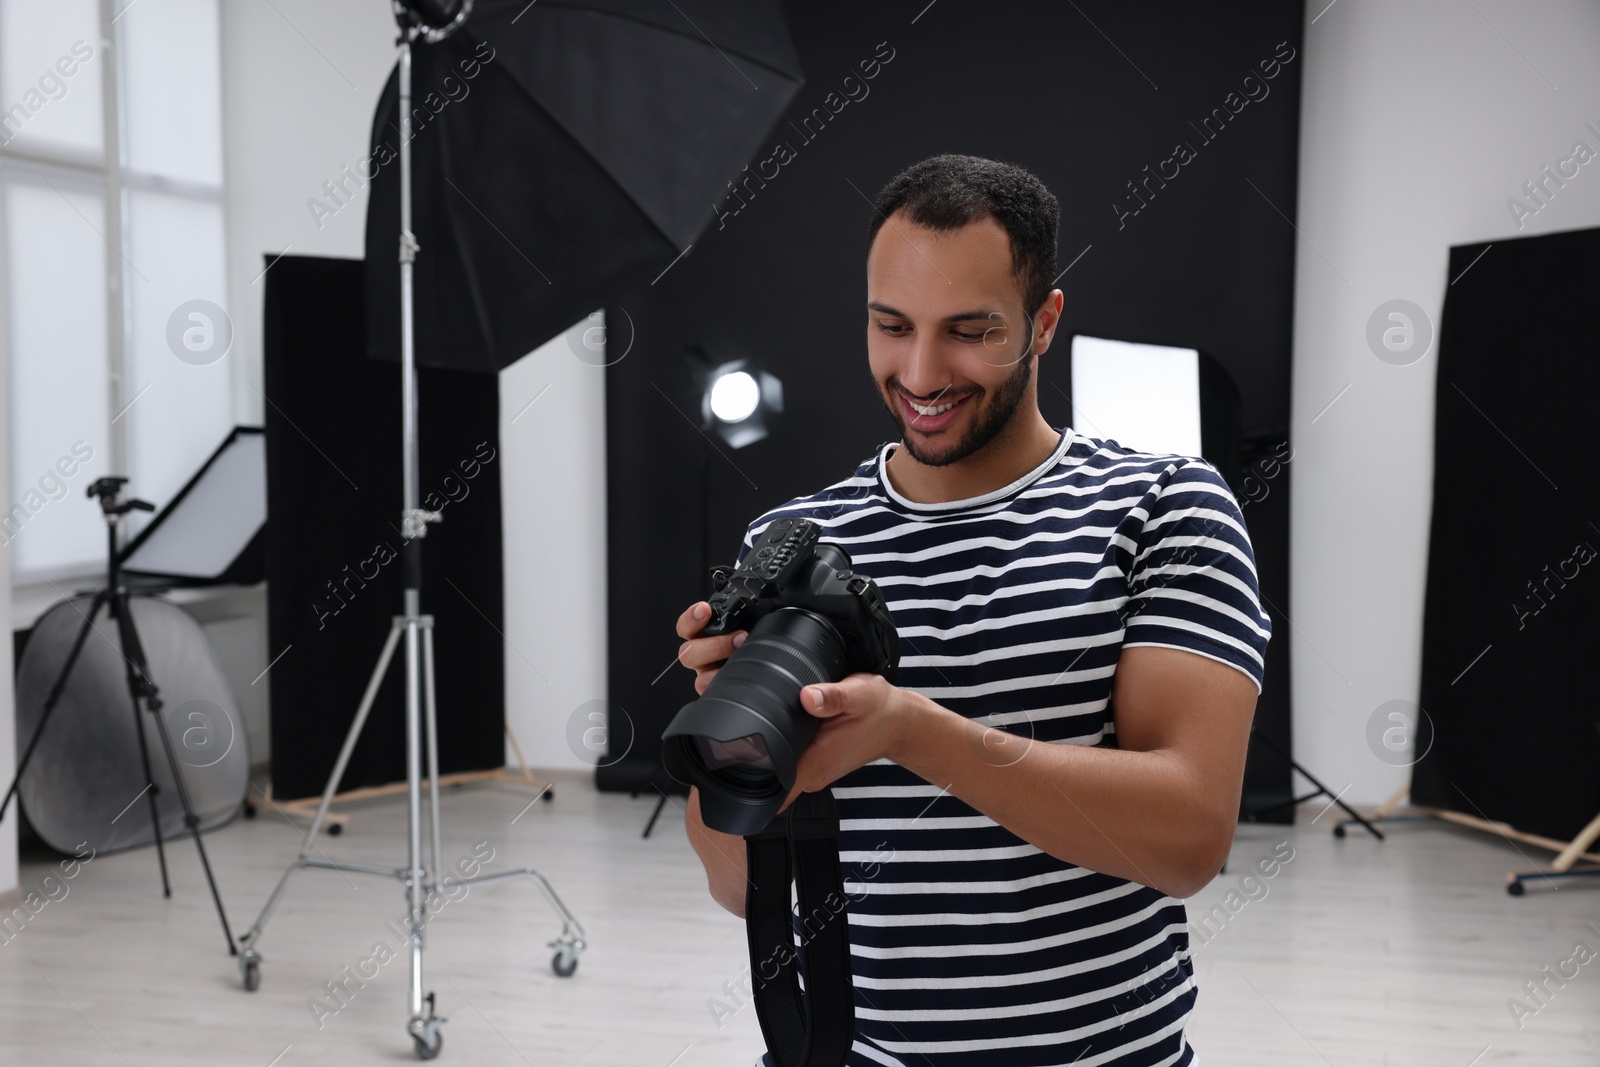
(991, 420)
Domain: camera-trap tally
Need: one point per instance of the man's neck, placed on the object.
(1019, 448)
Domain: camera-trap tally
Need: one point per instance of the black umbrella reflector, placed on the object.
(86, 774)
(562, 154)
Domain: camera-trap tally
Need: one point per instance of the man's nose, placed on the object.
(924, 374)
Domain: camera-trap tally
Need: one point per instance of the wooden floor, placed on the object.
(1403, 953)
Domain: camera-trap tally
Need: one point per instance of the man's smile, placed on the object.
(930, 418)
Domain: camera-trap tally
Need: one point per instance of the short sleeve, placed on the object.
(746, 546)
(1193, 585)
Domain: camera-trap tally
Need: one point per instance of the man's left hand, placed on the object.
(863, 718)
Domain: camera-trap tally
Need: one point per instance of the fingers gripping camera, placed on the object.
(810, 619)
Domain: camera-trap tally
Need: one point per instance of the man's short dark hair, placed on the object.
(947, 192)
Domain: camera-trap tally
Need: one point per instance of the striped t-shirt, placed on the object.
(969, 946)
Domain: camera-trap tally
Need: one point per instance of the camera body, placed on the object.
(810, 619)
(790, 568)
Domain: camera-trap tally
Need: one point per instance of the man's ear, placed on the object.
(1050, 317)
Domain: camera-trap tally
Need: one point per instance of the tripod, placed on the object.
(422, 882)
(1320, 791)
(140, 687)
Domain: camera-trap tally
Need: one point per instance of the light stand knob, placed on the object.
(415, 522)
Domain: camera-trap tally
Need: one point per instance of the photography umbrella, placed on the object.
(563, 153)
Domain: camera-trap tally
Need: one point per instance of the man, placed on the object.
(1081, 651)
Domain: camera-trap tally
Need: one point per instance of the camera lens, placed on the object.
(749, 751)
(740, 741)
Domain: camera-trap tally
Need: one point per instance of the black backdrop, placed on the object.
(1512, 732)
(333, 572)
(779, 274)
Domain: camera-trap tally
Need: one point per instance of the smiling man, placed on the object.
(1081, 651)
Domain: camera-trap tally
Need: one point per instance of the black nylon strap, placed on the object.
(824, 931)
(766, 917)
(814, 1029)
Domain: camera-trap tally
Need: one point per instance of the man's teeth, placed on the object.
(934, 409)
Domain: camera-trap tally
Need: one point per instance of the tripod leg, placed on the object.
(352, 736)
(140, 682)
(253, 935)
(54, 697)
(191, 820)
(1324, 790)
(1371, 829)
(431, 720)
(654, 815)
(150, 789)
(415, 875)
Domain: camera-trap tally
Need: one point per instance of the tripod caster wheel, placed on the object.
(429, 1042)
(564, 963)
(1516, 889)
(250, 968)
(549, 794)
(335, 829)
(1338, 830)
(249, 810)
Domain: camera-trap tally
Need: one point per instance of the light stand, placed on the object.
(738, 418)
(421, 881)
(659, 779)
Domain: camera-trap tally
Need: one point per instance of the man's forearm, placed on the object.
(722, 855)
(1136, 815)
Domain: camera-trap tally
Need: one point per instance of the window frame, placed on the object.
(118, 181)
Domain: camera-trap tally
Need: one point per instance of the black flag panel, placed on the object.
(1511, 730)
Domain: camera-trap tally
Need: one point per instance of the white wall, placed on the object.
(1419, 120)
(554, 486)
(8, 688)
(300, 81)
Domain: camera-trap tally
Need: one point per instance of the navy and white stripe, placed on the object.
(971, 947)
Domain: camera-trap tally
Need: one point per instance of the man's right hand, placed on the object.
(722, 855)
(704, 655)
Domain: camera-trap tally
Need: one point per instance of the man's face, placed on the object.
(945, 326)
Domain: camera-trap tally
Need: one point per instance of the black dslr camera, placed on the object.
(810, 620)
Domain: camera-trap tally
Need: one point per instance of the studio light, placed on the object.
(1143, 396)
(434, 19)
(1156, 398)
(734, 396)
(737, 396)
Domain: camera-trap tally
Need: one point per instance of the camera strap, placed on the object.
(813, 1028)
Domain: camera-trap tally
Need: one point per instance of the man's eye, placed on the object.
(892, 329)
(967, 336)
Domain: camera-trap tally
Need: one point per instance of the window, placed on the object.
(112, 265)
